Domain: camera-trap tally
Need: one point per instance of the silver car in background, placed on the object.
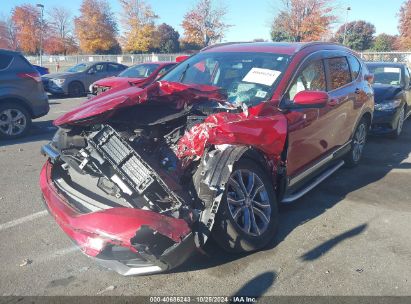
(76, 80)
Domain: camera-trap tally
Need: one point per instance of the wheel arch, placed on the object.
(19, 101)
(212, 175)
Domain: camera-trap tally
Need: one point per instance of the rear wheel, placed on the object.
(397, 132)
(76, 89)
(248, 215)
(15, 121)
(353, 158)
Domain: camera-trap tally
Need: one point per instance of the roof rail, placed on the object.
(308, 44)
(223, 44)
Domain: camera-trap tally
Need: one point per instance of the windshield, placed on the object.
(386, 74)
(139, 71)
(248, 78)
(81, 67)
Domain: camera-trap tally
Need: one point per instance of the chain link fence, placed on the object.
(60, 63)
(402, 57)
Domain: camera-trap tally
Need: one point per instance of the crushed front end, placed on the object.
(136, 179)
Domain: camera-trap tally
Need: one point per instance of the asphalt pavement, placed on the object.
(349, 236)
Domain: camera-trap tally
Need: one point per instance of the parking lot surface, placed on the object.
(349, 236)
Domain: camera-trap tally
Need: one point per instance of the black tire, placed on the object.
(359, 139)
(14, 127)
(76, 89)
(227, 231)
(398, 130)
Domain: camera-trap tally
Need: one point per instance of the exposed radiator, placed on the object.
(132, 169)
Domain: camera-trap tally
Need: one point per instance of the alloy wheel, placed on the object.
(12, 122)
(248, 202)
(360, 137)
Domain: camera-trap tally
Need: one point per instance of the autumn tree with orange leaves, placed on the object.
(96, 28)
(138, 21)
(27, 23)
(303, 20)
(204, 24)
(404, 25)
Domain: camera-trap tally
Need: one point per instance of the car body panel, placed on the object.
(116, 225)
(127, 96)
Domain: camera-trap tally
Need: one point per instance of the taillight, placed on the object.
(33, 75)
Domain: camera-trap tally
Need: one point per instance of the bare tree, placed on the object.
(62, 38)
(8, 34)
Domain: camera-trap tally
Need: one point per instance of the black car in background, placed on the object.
(22, 96)
(392, 97)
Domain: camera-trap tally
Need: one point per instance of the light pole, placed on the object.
(345, 24)
(41, 6)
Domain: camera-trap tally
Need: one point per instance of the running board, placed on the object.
(293, 197)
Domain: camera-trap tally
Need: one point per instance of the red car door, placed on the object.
(343, 93)
(310, 129)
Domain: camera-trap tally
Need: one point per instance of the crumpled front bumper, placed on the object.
(384, 122)
(129, 241)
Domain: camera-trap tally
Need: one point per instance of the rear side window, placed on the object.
(5, 61)
(339, 72)
(355, 66)
(312, 78)
(114, 67)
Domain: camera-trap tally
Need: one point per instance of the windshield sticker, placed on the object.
(261, 94)
(391, 70)
(262, 76)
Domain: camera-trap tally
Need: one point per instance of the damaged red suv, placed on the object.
(141, 177)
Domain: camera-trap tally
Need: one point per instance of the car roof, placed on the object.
(286, 48)
(158, 62)
(9, 52)
(387, 64)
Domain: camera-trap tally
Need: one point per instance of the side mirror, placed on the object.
(311, 99)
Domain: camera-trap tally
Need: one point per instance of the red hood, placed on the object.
(101, 107)
(116, 81)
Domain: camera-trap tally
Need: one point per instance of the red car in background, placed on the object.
(139, 177)
(139, 75)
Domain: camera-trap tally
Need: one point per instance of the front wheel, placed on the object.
(76, 89)
(353, 157)
(248, 215)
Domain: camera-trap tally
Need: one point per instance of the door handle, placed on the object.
(357, 91)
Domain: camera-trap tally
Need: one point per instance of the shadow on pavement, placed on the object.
(257, 286)
(40, 130)
(318, 251)
(381, 156)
